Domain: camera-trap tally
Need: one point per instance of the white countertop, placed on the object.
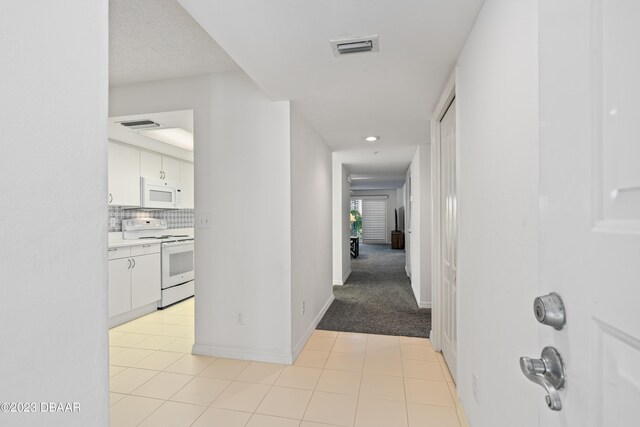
(116, 240)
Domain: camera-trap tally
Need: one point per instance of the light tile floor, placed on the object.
(340, 379)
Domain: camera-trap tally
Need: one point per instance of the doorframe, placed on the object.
(448, 94)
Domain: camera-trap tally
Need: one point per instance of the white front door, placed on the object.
(449, 236)
(590, 205)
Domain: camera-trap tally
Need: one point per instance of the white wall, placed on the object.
(391, 205)
(425, 300)
(53, 309)
(497, 102)
(419, 251)
(243, 183)
(311, 241)
(400, 196)
(420, 236)
(341, 223)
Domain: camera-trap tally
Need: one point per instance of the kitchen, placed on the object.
(151, 213)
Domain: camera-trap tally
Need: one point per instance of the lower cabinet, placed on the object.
(145, 280)
(119, 286)
(134, 281)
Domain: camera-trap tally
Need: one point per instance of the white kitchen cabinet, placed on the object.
(145, 280)
(155, 165)
(186, 185)
(150, 164)
(124, 175)
(171, 168)
(134, 277)
(119, 286)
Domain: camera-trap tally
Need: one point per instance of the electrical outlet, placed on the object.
(239, 319)
(203, 221)
(476, 387)
(303, 307)
(112, 222)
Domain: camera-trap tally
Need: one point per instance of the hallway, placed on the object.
(339, 379)
(377, 298)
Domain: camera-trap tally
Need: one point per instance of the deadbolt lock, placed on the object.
(549, 310)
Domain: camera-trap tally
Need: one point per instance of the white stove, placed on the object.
(148, 228)
(176, 257)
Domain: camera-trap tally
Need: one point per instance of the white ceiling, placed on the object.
(179, 119)
(158, 39)
(284, 46)
(382, 171)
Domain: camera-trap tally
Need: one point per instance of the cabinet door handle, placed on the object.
(146, 246)
(112, 249)
(129, 264)
(134, 262)
(110, 198)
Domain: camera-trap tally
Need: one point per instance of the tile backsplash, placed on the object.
(178, 218)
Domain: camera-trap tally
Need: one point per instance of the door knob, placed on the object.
(548, 372)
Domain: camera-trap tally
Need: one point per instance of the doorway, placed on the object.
(445, 225)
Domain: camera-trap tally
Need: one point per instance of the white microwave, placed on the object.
(159, 194)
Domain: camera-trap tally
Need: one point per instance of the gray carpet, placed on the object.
(377, 298)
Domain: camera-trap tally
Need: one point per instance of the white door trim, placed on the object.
(436, 257)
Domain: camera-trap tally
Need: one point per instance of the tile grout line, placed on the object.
(316, 385)
(404, 386)
(355, 415)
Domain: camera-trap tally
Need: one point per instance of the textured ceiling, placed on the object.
(283, 45)
(158, 39)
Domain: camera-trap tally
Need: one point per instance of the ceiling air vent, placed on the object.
(355, 45)
(140, 124)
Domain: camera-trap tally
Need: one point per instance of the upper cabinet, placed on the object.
(124, 175)
(186, 185)
(158, 166)
(127, 164)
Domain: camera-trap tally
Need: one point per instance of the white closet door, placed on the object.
(449, 236)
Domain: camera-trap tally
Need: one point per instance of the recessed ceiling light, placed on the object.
(372, 138)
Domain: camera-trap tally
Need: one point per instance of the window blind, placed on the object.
(374, 219)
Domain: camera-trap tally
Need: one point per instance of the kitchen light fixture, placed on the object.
(140, 124)
(372, 138)
(177, 137)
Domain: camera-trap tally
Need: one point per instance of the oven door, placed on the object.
(177, 263)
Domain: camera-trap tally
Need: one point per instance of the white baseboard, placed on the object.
(346, 275)
(242, 353)
(344, 279)
(406, 270)
(133, 314)
(312, 327)
(424, 304)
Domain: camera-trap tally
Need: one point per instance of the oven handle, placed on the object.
(181, 243)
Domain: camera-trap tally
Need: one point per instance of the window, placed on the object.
(374, 220)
